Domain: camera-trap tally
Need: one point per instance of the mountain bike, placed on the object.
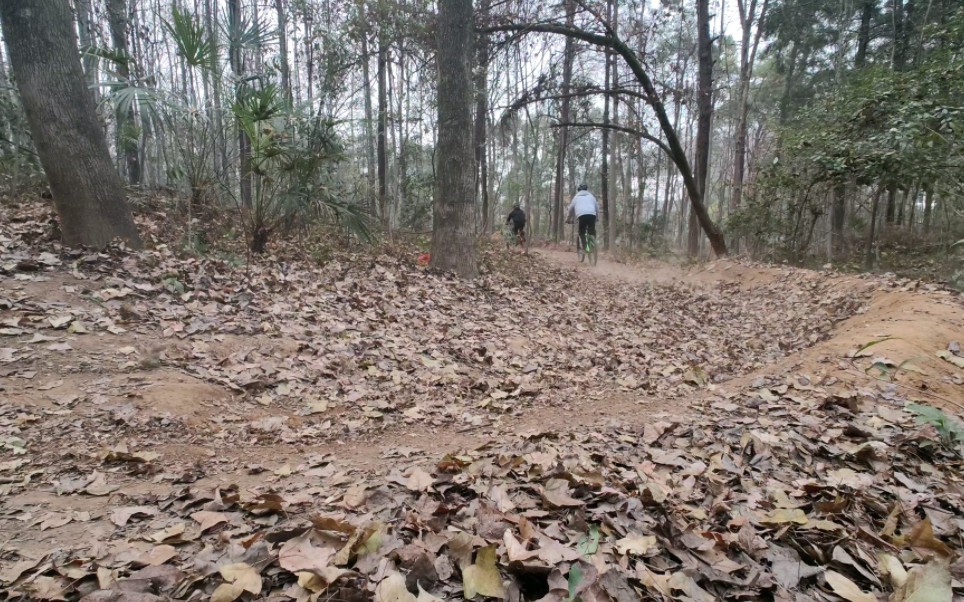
(518, 240)
(587, 249)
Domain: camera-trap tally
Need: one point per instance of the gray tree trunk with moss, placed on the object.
(87, 190)
(454, 245)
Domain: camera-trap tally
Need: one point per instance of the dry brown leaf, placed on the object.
(355, 497)
(556, 492)
(681, 581)
(515, 550)
(299, 554)
(209, 520)
(847, 589)
(419, 480)
(157, 556)
(781, 516)
(928, 583)
(483, 577)
(392, 589)
(636, 544)
(121, 516)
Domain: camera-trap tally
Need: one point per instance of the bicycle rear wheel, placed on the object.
(593, 251)
(580, 250)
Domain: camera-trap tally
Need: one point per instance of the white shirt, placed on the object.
(584, 203)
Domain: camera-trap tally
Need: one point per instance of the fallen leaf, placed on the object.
(780, 516)
(299, 554)
(157, 556)
(556, 492)
(419, 480)
(635, 544)
(121, 516)
(928, 583)
(483, 577)
(683, 582)
(847, 589)
(392, 589)
(209, 520)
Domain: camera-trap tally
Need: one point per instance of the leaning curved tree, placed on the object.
(87, 189)
(595, 28)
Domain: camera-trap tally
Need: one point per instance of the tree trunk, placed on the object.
(891, 204)
(567, 61)
(382, 130)
(747, 60)
(283, 50)
(604, 171)
(309, 53)
(481, 116)
(872, 233)
(210, 18)
(237, 66)
(704, 103)
(863, 35)
(86, 30)
(838, 216)
(454, 246)
(928, 208)
(899, 59)
(369, 113)
(87, 190)
(126, 131)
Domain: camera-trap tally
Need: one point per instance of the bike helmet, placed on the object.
(582, 187)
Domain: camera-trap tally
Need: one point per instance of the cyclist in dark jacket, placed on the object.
(518, 218)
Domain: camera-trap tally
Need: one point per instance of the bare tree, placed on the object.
(704, 121)
(671, 146)
(564, 116)
(87, 190)
(126, 138)
(748, 49)
(454, 246)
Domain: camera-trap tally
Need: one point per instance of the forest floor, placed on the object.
(182, 428)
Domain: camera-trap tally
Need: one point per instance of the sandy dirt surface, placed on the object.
(144, 404)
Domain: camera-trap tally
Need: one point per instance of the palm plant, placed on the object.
(292, 153)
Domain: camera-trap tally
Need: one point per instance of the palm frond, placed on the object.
(195, 46)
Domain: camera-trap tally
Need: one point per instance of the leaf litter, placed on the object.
(792, 488)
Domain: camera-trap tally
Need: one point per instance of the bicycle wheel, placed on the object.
(592, 251)
(580, 249)
(525, 242)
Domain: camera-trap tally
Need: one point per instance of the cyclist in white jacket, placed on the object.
(585, 209)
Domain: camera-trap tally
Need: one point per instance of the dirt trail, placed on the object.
(922, 323)
(911, 323)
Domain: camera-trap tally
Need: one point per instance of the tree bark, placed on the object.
(283, 49)
(454, 246)
(567, 61)
(891, 204)
(369, 113)
(747, 60)
(928, 208)
(604, 170)
(863, 35)
(481, 116)
(838, 216)
(87, 190)
(382, 130)
(86, 30)
(126, 135)
(872, 233)
(704, 103)
(237, 66)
